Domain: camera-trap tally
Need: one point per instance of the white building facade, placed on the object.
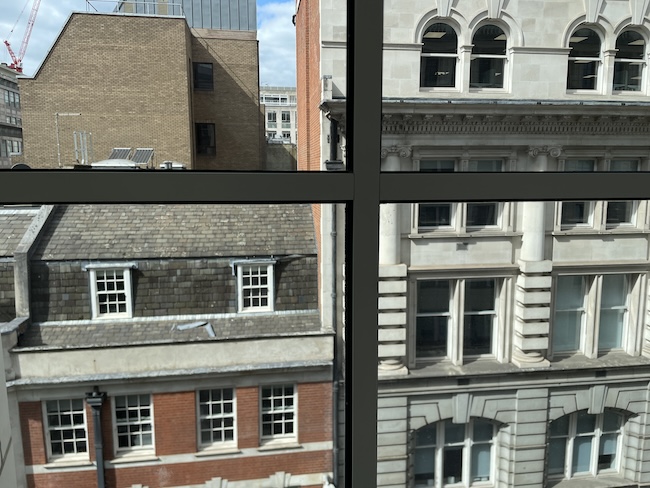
(280, 117)
(514, 336)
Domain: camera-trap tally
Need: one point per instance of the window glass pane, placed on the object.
(487, 73)
(431, 336)
(482, 214)
(619, 213)
(485, 165)
(611, 421)
(612, 311)
(579, 165)
(437, 71)
(454, 432)
(556, 456)
(483, 431)
(435, 214)
(433, 296)
(581, 454)
(452, 459)
(426, 436)
(630, 45)
(439, 38)
(607, 453)
(584, 43)
(437, 165)
(489, 39)
(586, 423)
(424, 466)
(481, 462)
(582, 75)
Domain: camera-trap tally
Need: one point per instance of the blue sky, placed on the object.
(276, 33)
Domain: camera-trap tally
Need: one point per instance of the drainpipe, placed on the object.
(334, 164)
(96, 399)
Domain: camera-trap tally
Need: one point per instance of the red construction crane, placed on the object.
(17, 61)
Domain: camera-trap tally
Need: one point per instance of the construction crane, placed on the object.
(17, 60)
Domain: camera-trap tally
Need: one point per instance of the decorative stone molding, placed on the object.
(553, 151)
(444, 8)
(638, 9)
(392, 319)
(514, 124)
(462, 404)
(401, 151)
(532, 314)
(598, 395)
(494, 8)
(593, 8)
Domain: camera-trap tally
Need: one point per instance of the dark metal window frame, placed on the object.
(362, 187)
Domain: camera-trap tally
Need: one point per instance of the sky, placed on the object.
(275, 32)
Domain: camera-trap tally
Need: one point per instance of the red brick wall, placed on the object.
(175, 433)
(248, 430)
(31, 427)
(314, 412)
(175, 422)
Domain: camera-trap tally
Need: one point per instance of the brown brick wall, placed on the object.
(175, 422)
(128, 76)
(234, 105)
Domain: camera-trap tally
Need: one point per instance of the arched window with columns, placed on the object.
(488, 63)
(585, 60)
(439, 58)
(629, 66)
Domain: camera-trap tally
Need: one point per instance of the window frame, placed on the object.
(642, 61)
(216, 445)
(476, 57)
(574, 60)
(71, 457)
(458, 211)
(270, 439)
(239, 267)
(466, 445)
(201, 81)
(588, 343)
(209, 149)
(596, 436)
(424, 56)
(147, 449)
(127, 278)
(456, 315)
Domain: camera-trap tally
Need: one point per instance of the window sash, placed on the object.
(66, 429)
(278, 412)
(216, 417)
(133, 422)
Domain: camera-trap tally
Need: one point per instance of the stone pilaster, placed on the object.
(392, 319)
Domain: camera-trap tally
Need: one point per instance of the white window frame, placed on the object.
(588, 341)
(642, 62)
(216, 416)
(133, 449)
(76, 456)
(455, 350)
(597, 210)
(595, 446)
(271, 120)
(504, 57)
(458, 210)
(466, 446)
(598, 85)
(266, 439)
(125, 268)
(240, 267)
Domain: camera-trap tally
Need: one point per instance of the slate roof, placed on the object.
(136, 231)
(104, 334)
(13, 225)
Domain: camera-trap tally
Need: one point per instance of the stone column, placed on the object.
(533, 290)
(392, 276)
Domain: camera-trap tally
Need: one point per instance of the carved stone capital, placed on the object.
(553, 151)
(401, 151)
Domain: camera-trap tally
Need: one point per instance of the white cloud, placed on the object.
(277, 36)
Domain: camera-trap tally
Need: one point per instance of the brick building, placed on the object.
(513, 336)
(149, 81)
(185, 337)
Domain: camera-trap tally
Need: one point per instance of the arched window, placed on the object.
(487, 68)
(439, 56)
(584, 444)
(630, 61)
(453, 454)
(584, 60)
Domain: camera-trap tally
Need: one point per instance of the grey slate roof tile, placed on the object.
(125, 333)
(13, 225)
(135, 231)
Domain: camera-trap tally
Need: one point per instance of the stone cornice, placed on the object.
(515, 124)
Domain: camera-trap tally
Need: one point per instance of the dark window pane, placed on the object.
(205, 139)
(203, 78)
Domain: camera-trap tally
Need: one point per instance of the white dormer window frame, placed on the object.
(255, 285)
(111, 290)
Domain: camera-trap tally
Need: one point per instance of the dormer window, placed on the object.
(255, 286)
(111, 290)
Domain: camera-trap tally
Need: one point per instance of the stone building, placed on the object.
(164, 345)
(11, 138)
(513, 336)
(188, 93)
(279, 113)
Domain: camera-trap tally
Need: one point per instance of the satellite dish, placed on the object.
(20, 166)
